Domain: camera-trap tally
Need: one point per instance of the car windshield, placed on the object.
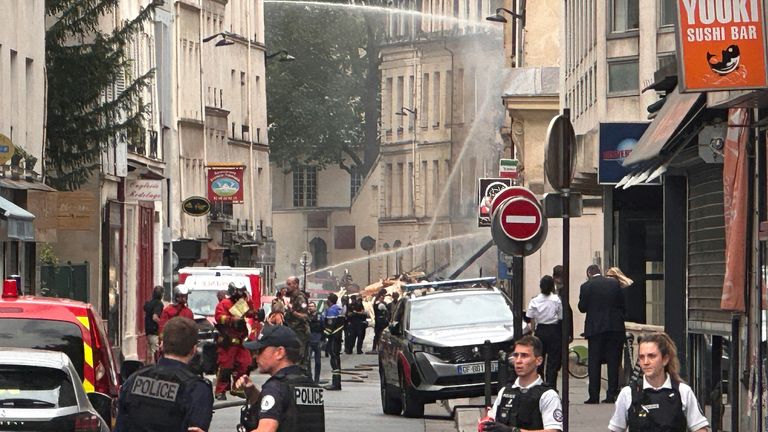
(50, 388)
(203, 302)
(459, 310)
(51, 335)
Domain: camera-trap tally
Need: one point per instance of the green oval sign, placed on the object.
(196, 206)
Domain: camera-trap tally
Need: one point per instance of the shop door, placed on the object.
(146, 271)
(642, 259)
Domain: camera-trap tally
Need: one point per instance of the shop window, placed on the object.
(623, 77)
(625, 15)
(654, 293)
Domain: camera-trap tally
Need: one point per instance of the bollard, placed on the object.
(487, 354)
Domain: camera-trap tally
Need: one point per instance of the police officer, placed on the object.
(528, 404)
(289, 401)
(546, 310)
(662, 401)
(333, 317)
(167, 396)
(232, 359)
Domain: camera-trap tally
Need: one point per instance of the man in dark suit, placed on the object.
(602, 299)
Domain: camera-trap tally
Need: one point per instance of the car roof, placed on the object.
(423, 295)
(50, 308)
(33, 357)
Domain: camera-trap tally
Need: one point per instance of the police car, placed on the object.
(433, 347)
(63, 325)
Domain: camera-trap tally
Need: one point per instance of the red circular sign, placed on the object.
(510, 192)
(520, 218)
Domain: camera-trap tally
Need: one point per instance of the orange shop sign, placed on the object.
(722, 45)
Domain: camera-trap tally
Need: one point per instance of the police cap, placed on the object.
(274, 336)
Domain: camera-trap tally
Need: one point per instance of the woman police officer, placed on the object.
(661, 401)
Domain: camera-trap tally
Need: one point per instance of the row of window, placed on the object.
(305, 185)
(625, 14)
(438, 15)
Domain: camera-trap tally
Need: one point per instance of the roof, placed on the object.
(49, 308)
(33, 357)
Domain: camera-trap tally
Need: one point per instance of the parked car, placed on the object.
(68, 326)
(54, 400)
(433, 348)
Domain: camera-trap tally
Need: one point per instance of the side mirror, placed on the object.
(103, 405)
(395, 329)
(260, 315)
(128, 368)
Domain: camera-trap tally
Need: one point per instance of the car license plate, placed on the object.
(476, 368)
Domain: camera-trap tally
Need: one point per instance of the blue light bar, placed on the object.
(446, 284)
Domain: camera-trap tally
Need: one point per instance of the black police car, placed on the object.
(433, 348)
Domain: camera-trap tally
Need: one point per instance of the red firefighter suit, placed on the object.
(232, 357)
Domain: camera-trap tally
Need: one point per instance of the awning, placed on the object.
(678, 109)
(25, 185)
(17, 221)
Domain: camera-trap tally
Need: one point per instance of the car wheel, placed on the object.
(412, 407)
(390, 404)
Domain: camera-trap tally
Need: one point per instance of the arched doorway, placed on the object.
(319, 251)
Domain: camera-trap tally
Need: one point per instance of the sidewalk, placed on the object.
(582, 418)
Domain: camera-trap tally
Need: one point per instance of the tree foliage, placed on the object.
(316, 104)
(82, 64)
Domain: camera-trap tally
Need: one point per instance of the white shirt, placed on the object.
(693, 414)
(549, 405)
(545, 309)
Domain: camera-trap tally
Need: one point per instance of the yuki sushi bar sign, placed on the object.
(225, 183)
(722, 45)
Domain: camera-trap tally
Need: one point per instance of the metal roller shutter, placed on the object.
(706, 250)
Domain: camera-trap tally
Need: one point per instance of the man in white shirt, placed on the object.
(527, 405)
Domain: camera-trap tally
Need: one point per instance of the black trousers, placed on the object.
(604, 348)
(551, 337)
(334, 346)
(356, 336)
(314, 351)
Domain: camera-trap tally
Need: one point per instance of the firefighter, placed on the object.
(334, 327)
(232, 359)
(289, 401)
(177, 308)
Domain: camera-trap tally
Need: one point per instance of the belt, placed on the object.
(550, 324)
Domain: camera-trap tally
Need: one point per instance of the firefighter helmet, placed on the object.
(236, 288)
(180, 290)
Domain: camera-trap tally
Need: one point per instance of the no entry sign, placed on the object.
(520, 218)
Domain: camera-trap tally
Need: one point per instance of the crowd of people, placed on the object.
(295, 336)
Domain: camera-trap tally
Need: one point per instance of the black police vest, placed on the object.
(656, 410)
(520, 407)
(306, 407)
(155, 399)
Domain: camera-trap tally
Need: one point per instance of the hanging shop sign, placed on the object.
(196, 206)
(722, 45)
(6, 149)
(225, 183)
(486, 190)
(143, 190)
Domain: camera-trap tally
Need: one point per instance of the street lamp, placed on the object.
(284, 56)
(223, 42)
(413, 112)
(498, 17)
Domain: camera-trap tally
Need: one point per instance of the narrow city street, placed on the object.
(357, 407)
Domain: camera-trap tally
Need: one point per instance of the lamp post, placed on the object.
(412, 112)
(284, 56)
(499, 17)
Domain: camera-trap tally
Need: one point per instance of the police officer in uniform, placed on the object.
(333, 317)
(167, 396)
(289, 401)
(528, 404)
(662, 401)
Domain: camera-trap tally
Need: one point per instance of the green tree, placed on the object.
(319, 107)
(83, 65)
